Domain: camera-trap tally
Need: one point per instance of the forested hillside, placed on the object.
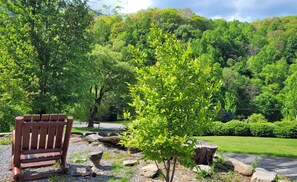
(83, 68)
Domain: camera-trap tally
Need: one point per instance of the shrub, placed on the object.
(217, 129)
(237, 128)
(262, 129)
(257, 118)
(285, 129)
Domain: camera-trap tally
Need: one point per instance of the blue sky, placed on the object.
(243, 10)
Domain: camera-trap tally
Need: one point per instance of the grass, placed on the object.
(107, 155)
(5, 140)
(117, 166)
(124, 173)
(57, 178)
(78, 157)
(278, 147)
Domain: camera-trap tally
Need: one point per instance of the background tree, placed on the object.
(173, 100)
(290, 98)
(269, 106)
(107, 75)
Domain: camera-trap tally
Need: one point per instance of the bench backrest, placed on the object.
(42, 133)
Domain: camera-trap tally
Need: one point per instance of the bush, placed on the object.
(216, 129)
(285, 129)
(262, 129)
(257, 118)
(237, 128)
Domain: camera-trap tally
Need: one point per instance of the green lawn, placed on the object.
(280, 147)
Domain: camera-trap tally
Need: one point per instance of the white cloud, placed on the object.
(234, 17)
(237, 16)
(242, 10)
(132, 6)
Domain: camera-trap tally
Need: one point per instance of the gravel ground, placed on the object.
(105, 172)
(79, 150)
(5, 153)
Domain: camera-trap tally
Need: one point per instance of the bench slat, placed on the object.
(40, 157)
(41, 151)
(26, 137)
(43, 123)
(51, 136)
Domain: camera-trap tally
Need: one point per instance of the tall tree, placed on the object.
(107, 74)
(48, 41)
(290, 98)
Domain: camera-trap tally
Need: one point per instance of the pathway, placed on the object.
(283, 166)
(106, 126)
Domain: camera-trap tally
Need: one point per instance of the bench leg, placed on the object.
(16, 173)
(15, 170)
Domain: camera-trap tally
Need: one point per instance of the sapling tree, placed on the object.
(173, 100)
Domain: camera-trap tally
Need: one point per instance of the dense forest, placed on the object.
(75, 62)
(256, 61)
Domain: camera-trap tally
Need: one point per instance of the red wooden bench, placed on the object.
(40, 140)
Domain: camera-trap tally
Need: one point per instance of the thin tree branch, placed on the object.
(173, 169)
(168, 171)
(160, 169)
(164, 164)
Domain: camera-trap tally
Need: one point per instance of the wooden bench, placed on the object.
(40, 140)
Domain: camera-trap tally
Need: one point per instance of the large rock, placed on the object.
(96, 157)
(75, 138)
(239, 167)
(201, 167)
(262, 175)
(80, 171)
(204, 153)
(129, 162)
(149, 171)
(111, 141)
(133, 150)
(92, 138)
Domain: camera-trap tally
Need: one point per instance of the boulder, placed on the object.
(74, 138)
(89, 133)
(80, 171)
(103, 133)
(92, 138)
(133, 150)
(112, 134)
(149, 171)
(95, 143)
(239, 167)
(129, 162)
(204, 153)
(96, 157)
(201, 167)
(77, 133)
(110, 140)
(262, 175)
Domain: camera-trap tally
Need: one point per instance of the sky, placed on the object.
(242, 10)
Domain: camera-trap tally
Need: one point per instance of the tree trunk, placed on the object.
(168, 171)
(92, 117)
(95, 108)
(204, 153)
